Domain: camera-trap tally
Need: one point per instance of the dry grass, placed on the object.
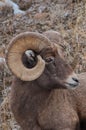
(69, 19)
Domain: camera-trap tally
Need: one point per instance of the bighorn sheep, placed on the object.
(43, 94)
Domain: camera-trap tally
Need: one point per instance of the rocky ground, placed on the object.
(67, 17)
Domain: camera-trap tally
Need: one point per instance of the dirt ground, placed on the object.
(67, 17)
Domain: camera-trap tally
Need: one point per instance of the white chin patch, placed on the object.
(72, 81)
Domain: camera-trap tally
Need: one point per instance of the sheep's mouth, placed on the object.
(72, 86)
(72, 81)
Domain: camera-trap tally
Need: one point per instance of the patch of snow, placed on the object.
(2, 60)
(13, 5)
(1, 3)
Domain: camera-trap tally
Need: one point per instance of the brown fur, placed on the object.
(45, 103)
(36, 108)
(29, 100)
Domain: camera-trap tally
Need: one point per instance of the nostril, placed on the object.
(76, 80)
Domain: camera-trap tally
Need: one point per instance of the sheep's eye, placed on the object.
(49, 59)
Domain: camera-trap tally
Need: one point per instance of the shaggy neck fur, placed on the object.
(35, 108)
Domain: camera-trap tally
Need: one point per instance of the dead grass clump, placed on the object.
(7, 120)
(5, 12)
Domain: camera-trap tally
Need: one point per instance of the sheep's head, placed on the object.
(32, 56)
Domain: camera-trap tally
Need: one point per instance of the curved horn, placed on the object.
(55, 37)
(17, 47)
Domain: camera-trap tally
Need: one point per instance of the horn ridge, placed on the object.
(17, 47)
